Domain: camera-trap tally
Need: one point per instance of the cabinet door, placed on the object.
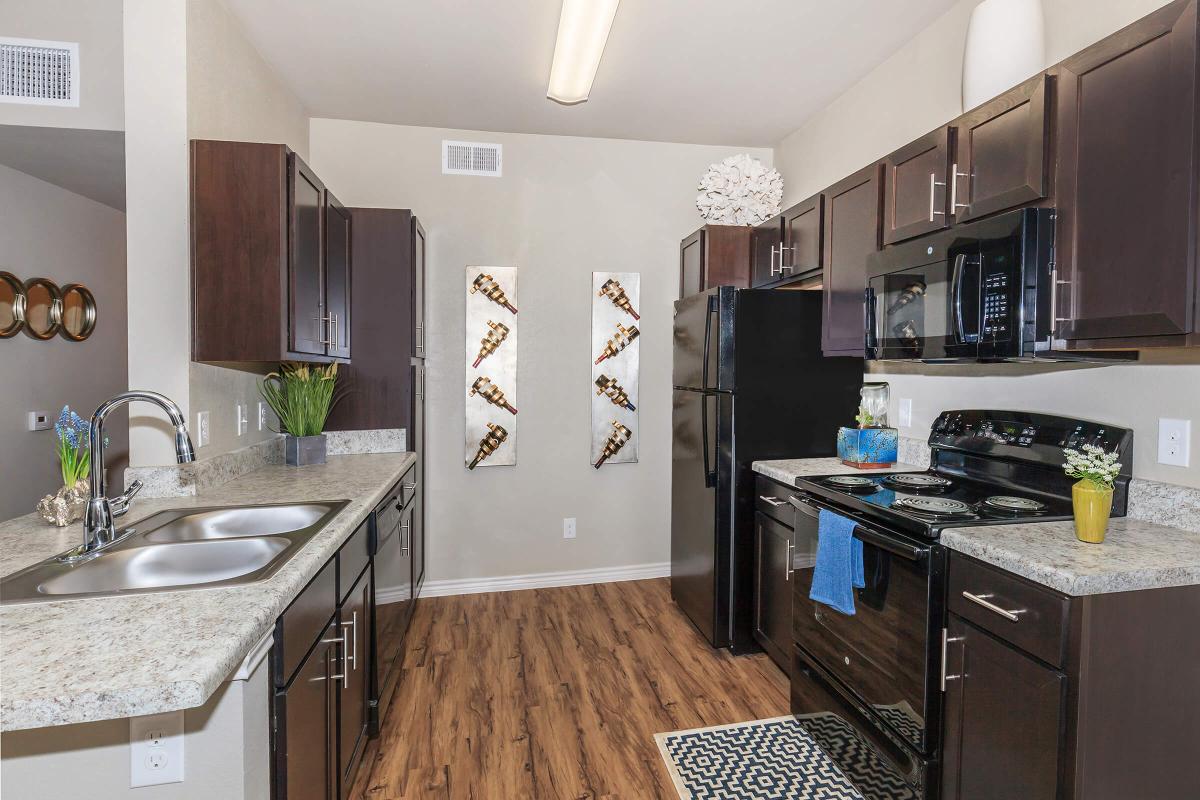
(1127, 182)
(418, 266)
(307, 322)
(1003, 720)
(307, 763)
(851, 234)
(418, 503)
(337, 276)
(766, 242)
(914, 194)
(802, 237)
(691, 264)
(352, 721)
(1001, 146)
(773, 588)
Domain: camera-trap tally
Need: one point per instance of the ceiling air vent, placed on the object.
(39, 73)
(472, 158)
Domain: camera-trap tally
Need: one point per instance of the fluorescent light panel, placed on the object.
(582, 33)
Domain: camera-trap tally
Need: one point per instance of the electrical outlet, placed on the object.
(156, 749)
(262, 415)
(904, 417)
(241, 423)
(201, 428)
(39, 421)
(569, 528)
(1174, 442)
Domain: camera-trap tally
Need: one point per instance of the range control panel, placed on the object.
(983, 430)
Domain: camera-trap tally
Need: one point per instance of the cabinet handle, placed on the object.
(344, 677)
(420, 337)
(946, 640)
(791, 556)
(933, 184)
(333, 331)
(783, 266)
(403, 539)
(772, 501)
(353, 625)
(954, 204)
(772, 262)
(982, 600)
(1054, 317)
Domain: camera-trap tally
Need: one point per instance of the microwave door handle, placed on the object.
(960, 334)
(871, 340)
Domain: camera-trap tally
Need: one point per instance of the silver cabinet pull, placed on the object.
(344, 676)
(791, 555)
(982, 600)
(420, 333)
(955, 175)
(353, 626)
(946, 640)
(404, 539)
(933, 184)
(333, 330)
(772, 501)
(775, 271)
(1054, 284)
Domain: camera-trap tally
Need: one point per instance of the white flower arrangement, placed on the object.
(739, 191)
(1092, 464)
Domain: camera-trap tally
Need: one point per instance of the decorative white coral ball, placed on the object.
(739, 191)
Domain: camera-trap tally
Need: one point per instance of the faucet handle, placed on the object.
(120, 503)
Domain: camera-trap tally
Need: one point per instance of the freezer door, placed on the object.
(698, 540)
(698, 325)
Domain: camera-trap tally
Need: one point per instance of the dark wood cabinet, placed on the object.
(915, 193)
(802, 237)
(306, 726)
(354, 698)
(766, 251)
(418, 502)
(715, 255)
(774, 545)
(417, 259)
(262, 236)
(1127, 186)
(1003, 733)
(851, 233)
(1002, 150)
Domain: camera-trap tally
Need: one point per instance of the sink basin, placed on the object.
(180, 549)
(227, 523)
(156, 566)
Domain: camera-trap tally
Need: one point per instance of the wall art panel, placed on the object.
(615, 351)
(491, 367)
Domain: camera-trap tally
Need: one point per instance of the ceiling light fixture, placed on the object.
(582, 33)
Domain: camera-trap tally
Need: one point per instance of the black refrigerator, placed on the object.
(750, 383)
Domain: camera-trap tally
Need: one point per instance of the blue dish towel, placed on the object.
(839, 568)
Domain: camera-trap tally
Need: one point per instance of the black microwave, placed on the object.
(980, 291)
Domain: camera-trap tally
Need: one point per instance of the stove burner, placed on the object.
(918, 481)
(933, 506)
(1019, 505)
(852, 483)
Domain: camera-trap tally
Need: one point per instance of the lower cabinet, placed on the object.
(1003, 720)
(354, 619)
(773, 543)
(306, 726)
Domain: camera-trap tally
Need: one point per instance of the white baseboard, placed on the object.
(538, 580)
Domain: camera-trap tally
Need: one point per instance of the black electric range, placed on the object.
(871, 682)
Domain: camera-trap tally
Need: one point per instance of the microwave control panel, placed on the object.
(997, 318)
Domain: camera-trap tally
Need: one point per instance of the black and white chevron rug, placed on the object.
(766, 759)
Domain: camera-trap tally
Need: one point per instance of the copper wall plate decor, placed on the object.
(78, 312)
(12, 305)
(43, 308)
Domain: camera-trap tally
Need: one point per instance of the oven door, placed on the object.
(928, 312)
(886, 653)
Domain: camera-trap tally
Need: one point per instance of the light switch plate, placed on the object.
(569, 528)
(201, 428)
(1174, 442)
(39, 421)
(241, 422)
(156, 749)
(262, 415)
(904, 413)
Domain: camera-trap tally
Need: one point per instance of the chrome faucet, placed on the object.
(98, 529)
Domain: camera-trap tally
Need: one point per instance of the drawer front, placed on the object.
(352, 559)
(771, 498)
(303, 622)
(991, 598)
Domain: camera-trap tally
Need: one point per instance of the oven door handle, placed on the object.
(865, 534)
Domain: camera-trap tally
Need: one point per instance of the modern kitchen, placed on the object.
(905, 504)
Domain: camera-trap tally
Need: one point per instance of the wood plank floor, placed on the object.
(555, 693)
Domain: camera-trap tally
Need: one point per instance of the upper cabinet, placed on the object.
(1127, 187)
(1002, 150)
(271, 259)
(852, 212)
(802, 237)
(715, 255)
(915, 196)
(766, 251)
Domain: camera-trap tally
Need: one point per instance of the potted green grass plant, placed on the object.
(302, 395)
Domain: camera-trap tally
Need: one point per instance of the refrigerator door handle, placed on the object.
(710, 309)
(710, 475)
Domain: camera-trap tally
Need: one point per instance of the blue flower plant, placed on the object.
(74, 439)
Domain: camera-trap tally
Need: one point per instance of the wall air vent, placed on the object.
(472, 158)
(39, 73)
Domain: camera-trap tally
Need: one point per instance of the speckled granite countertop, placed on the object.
(1134, 555)
(113, 657)
(792, 469)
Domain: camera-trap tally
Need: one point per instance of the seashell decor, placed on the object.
(739, 191)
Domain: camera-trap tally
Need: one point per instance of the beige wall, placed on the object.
(565, 207)
(49, 232)
(914, 91)
(96, 26)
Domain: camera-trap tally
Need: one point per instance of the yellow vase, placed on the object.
(1093, 505)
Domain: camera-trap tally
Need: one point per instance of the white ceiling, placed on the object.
(703, 71)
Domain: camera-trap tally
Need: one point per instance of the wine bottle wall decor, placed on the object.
(616, 317)
(491, 367)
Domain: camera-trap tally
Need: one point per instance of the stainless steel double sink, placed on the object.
(180, 549)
